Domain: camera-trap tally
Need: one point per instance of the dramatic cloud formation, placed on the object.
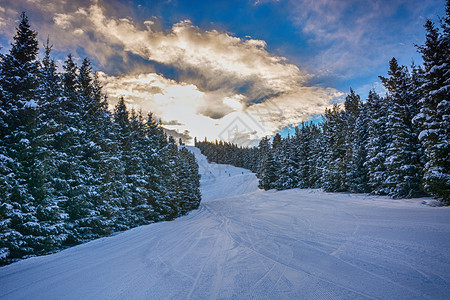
(213, 60)
(225, 86)
(182, 106)
(221, 77)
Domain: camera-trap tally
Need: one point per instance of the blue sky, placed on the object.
(235, 70)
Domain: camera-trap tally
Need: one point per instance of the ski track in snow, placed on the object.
(246, 243)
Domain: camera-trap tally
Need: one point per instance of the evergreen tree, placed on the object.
(188, 192)
(124, 141)
(316, 159)
(334, 172)
(287, 172)
(357, 172)
(50, 216)
(377, 142)
(402, 158)
(303, 140)
(266, 167)
(19, 83)
(170, 207)
(69, 170)
(350, 116)
(433, 117)
(138, 168)
(269, 172)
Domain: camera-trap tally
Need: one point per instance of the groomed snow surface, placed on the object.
(246, 243)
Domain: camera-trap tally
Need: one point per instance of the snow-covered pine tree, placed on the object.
(303, 139)
(357, 172)
(316, 158)
(280, 174)
(93, 119)
(377, 142)
(334, 172)
(19, 70)
(352, 159)
(188, 181)
(434, 115)
(124, 140)
(287, 177)
(266, 168)
(111, 171)
(51, 217)
(83, 188)
(402, 159)
(102, 149)
(169, 206)
(142, 197)
(416, 94)
(154, 163)
(68, 173)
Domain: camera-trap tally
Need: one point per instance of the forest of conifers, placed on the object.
(396, 145)
(72, 171)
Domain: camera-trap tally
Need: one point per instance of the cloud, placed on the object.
(172, 122)
(217, 78)
(184, 136)
(184, 104)
(354, 37)
(223, 68)
(211, 60)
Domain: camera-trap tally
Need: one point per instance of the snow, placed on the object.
(31, 104)
(6, 158)
(24, 141)
(246, 243)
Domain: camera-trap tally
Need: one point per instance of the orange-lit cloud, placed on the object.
(225, 84)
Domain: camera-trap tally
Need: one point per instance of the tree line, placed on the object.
(71, 170)
(396, 145)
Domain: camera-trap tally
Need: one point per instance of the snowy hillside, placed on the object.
(221, 181)
(247, 243)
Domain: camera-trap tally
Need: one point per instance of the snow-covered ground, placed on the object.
(247, 243)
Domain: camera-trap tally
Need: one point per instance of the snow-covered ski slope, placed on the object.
(247, 243)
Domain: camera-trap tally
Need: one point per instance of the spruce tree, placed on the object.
(169, 207)
(402, 158)
(287, 177)
(303, 140)
(377, 142)
(19, 70)
(70, 171)
(266, 167)
(124, 141)
(50, 215)
(316, 159)
(434, 114)
(335, 169)
(357, 172)
(188, 182)
(352, 106)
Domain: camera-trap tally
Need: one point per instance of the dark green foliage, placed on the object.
(357, 172)
(396, 145)
(268, 172)
(434, 115)
(402, 160)
(227, 153)
(377, 141)
(70, 170)
(335, 170)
